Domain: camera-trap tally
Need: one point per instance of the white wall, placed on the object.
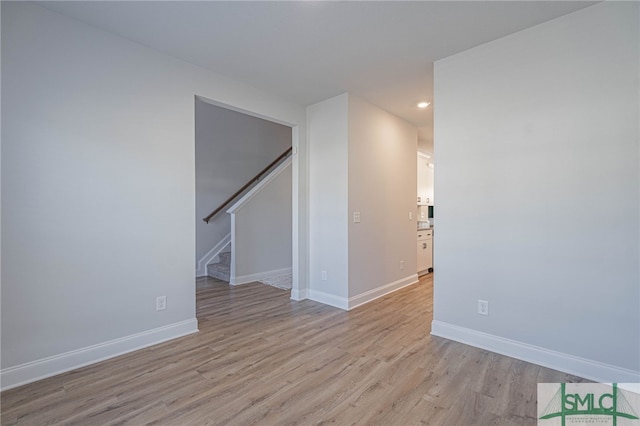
(327, 125)
(231, 148)
(538, 193)
(98, 190)
(361, 159)
(382, 187)
(262, 237)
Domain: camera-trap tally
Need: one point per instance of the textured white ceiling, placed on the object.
(309, 51)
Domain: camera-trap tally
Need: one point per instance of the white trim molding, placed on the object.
(329, 299)
(40, 369)
(353, 302)
(260, 185)
(201, 268)
(299, 294)
(245, 279)
(582, 367)
(376, 293)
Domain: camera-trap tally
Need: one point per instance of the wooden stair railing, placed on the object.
(256, 178)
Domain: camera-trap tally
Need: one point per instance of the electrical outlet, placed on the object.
(483, 307)
(356, 217)
(161, 303)
(324, 275)
(401, 264)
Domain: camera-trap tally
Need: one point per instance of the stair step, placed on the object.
(225, 257)
(219, 271)
(220, 267)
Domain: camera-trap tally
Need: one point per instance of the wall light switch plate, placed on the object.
(356, 217)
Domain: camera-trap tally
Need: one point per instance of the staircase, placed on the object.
(222, 269)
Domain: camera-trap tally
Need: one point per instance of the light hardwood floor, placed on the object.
(261, 358)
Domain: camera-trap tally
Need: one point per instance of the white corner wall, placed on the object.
(383, 188)
(261, 231)
(327, 126)
(98, 191)
(362, 159)
(537, 141)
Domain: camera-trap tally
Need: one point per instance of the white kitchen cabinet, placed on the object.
(425, 250)
(425, 180)
(430, 186)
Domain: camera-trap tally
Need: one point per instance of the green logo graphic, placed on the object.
(613, 404)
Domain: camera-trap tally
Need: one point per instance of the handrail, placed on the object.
(248, 184)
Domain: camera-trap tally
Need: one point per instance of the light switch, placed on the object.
(410, 215)
(356, 217)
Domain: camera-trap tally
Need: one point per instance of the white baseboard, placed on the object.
(299, 294)
(366, 297)
(201, 267)
(40, 369)
(582, 367)
(245, 279)
(329, 299)
(370, 295)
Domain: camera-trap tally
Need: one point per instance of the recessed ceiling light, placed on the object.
(423, 105)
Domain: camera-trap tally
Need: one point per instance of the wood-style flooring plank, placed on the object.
(263, 359)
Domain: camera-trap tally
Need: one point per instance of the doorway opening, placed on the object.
(231, 146)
